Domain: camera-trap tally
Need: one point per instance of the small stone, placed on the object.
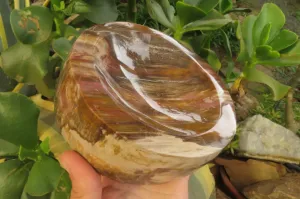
(264, 139)
(287, 187)
(244, 173)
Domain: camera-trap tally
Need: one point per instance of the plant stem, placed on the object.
(235, 88)
(27, 3)
(71, 18)
(289, 113)
(236, 85)
(17, 4)
(178, 34)
(18, 87)
(3, 34)
(131, 11)
(48, 105)
(5, 28)
(46, 3)
(57, 26)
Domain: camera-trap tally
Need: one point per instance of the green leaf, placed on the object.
(62, 47)
(225, 5)
(8, 149)
(26, 63)
(284, 60)
(45, 146)
(266, 52)
(68, 31)
(32, 25)
(3, 39)
(247, 10)
(230, 76)
(102, 11)
(44, 87)
(279, 90)
(77, 7)
(15, 126)
(227, 43)
(202, 184)
(56, 4)
(283, 40)
(247, 29)
(168, 9)
(27, 196)
(211, 58)
(4, 17)
(63, 189)
(157, 12)
(1, 44)
(13, 175)
(213, 14)
(26, 154)
(243, 55)
(21, 3)
(60, 7)
(57, 143)
(40, 182)
(192, 2)
(188, 13)
(212, 24)
(6, 83)
(265, 34)
(207, 5)
(293, 49)
(270, 13)
(199, 42)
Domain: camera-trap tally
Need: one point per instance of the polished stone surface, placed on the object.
(136, 87)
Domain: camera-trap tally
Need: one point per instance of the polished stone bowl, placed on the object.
(139, 106)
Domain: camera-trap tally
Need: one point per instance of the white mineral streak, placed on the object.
(262, 138)
(170, 145)
(145, 155)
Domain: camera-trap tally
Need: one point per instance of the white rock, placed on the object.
(264, 139)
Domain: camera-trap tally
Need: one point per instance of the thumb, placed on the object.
(86, 182)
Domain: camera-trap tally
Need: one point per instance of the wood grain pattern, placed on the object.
(133, 82)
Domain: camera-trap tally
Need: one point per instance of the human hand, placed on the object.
(88, 184)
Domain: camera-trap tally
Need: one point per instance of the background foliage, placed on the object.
(36, 37)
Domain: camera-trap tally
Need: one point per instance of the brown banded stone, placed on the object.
(140, 107)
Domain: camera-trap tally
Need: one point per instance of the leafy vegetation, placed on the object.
(275, 110)
(27, 158)
(36, 37)
(264, 42)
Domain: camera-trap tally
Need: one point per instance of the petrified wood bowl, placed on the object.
(140, 107)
